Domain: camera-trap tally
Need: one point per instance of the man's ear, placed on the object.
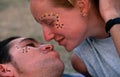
(83, 5)
(5, 71)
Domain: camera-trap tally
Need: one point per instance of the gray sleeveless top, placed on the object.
(100, 57)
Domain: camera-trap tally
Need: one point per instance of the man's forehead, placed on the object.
(16, 41)
(20, 40)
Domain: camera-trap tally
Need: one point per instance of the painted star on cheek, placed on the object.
(58, 25)
(23, 50)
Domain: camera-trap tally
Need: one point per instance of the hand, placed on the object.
(109, 9)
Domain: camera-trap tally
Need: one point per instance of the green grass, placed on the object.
(16, 19)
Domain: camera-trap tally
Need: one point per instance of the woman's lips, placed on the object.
(61, 42)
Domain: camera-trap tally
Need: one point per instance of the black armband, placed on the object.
(111, 23)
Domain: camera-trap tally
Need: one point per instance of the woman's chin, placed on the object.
(69, 49)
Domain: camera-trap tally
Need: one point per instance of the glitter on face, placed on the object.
(58, 25)
(23, 50)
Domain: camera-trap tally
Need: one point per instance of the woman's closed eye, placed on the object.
(48, 22)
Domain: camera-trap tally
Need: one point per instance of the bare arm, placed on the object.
(115, 33)
(110, 9)
(79, 66)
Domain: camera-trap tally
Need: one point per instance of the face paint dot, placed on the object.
(44, 15)
(17, 47)
(26, 51)
(57, 17)
(56, 24)
(41, 18)
(23, 51)
(28, 48)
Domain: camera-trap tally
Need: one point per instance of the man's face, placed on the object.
(34, 59)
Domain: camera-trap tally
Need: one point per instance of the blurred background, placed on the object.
(16, 19)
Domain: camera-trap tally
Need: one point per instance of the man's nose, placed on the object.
(47, 47)
(48, 34)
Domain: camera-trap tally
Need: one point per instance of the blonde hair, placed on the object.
(63, 3)
(72, 2)
(95, 2)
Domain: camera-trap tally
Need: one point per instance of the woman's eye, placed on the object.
(31, 44)
(50, 22)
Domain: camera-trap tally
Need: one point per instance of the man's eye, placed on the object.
(31, 44)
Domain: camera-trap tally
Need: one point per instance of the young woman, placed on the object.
(80, 25)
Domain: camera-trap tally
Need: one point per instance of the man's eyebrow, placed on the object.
(28, 39)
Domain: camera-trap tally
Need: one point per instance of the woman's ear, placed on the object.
(5, 71)
(83, 6)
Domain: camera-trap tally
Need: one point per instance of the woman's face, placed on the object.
(67, 27)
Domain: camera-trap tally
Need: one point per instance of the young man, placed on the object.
(25, 57)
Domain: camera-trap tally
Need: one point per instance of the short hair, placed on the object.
(5, 57)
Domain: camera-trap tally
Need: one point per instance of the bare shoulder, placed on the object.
(79, 65)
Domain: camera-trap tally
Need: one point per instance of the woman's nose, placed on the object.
(48, 34)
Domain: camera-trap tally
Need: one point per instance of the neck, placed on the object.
(96, 24)
(98, 29)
